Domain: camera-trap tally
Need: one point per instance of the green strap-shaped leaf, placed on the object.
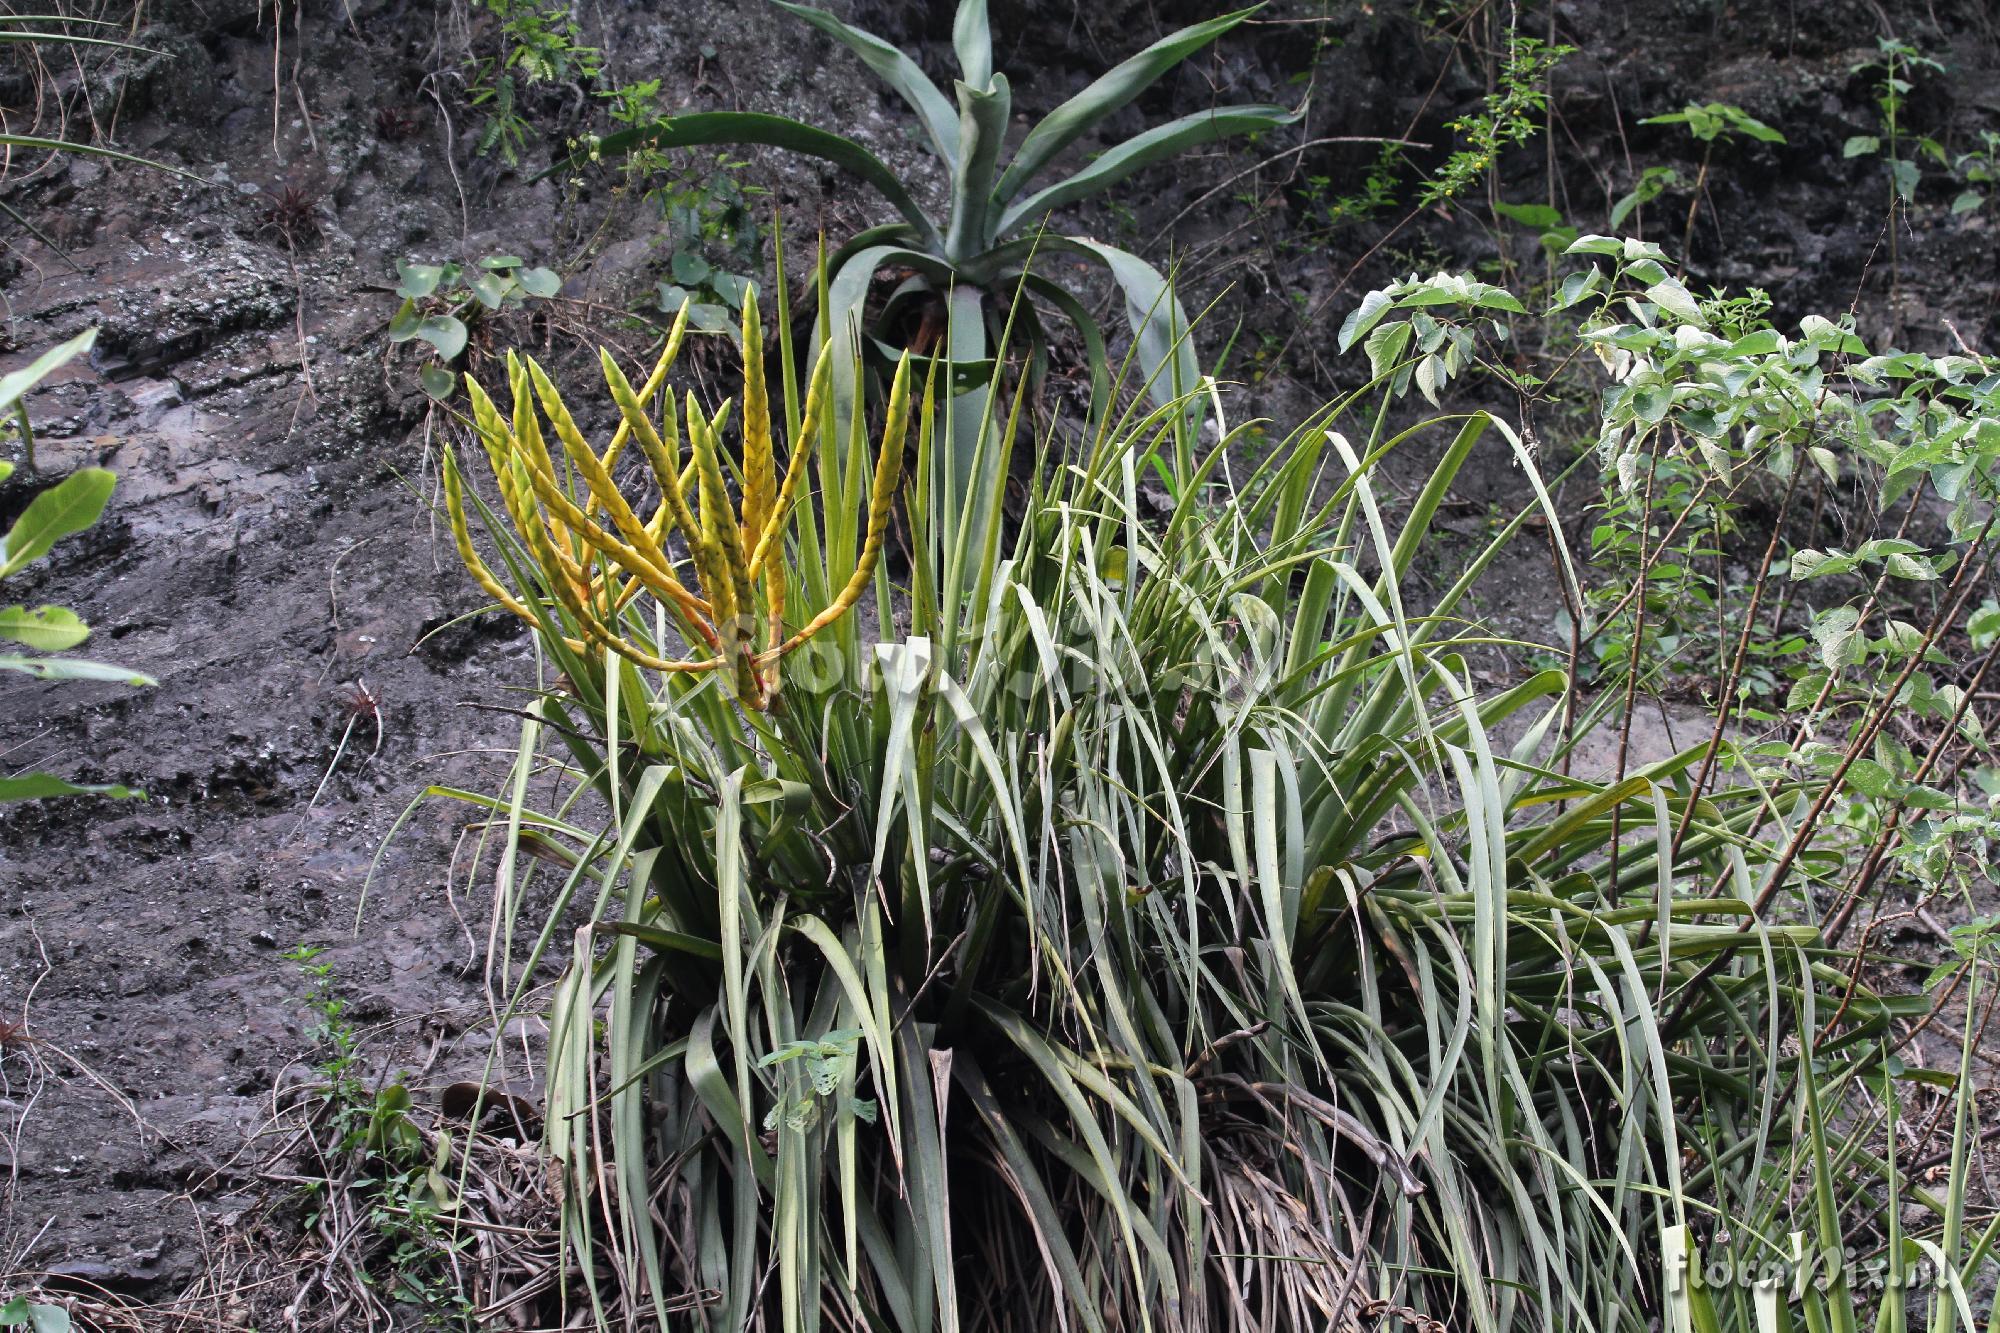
(739, 127)
(895, 69)
(18, 383)
(46, 629)
(71, 668)
(42, 786)
(1110, 91)
(1139, 151)
(69, 506)
(90, 150)
(661, 940)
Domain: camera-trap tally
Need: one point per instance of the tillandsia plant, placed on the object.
(963, 269)
(1144, 924)
(66, 508)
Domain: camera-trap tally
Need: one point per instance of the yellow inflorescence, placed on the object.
(596, 553)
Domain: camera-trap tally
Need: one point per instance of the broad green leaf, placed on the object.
(1364, 316)
(539, 282)
(1872, 779)
(1575, 287)
(1385, 347)
(1672, 297)
(417, 281)
(1541, 217)
(1905, 174)
(1595, 245)
(446, 333)
(1761, 342)
(491, 289)
(1859, 144)
(68, 507)
(46, 629)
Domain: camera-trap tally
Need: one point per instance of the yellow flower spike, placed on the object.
(498, 441)
(461, 535)
(774, 633)
(654, 573)
(795, 469)
(881, 495)
(594, 552)
(527, 433)
(717, 522)
(760, 467)
(454, 499)
(735, 622)
(534, 476)
(670, 354)
(664, 458)
(644, 549)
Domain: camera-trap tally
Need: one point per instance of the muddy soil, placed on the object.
(271, 558)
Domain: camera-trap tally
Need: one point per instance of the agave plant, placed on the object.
(964, 268)
(1141, 927)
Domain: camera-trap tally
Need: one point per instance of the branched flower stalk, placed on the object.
(595, 552)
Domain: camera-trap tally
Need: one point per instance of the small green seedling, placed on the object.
(440, 300)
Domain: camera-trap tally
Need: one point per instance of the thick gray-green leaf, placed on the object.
(972, 39)
(738, 127)
(895, 69)
(1142, 150)
(982, 129)
(1165, 343)
(1106, 94)
(69, 506)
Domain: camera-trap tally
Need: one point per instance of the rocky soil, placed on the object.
(271, 557)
